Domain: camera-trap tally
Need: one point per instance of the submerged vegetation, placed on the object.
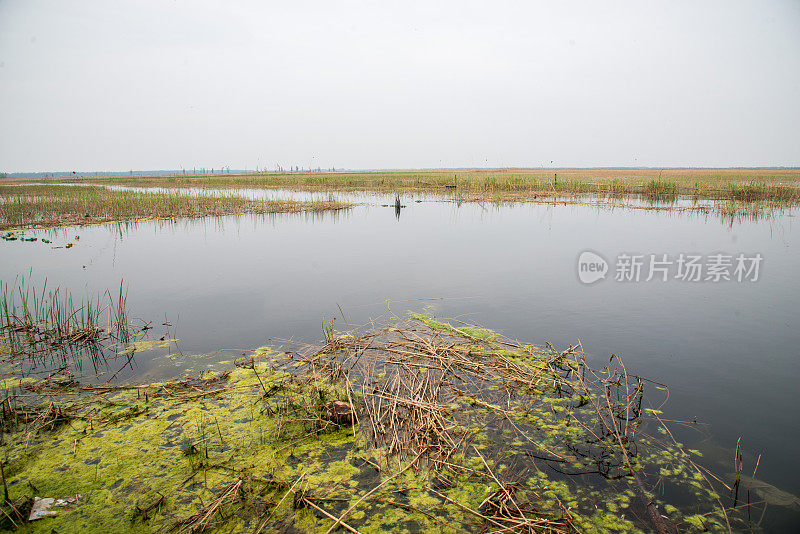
(763, 185)
(24, 206)
(417, 426)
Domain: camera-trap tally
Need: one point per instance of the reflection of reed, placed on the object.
(726, 211)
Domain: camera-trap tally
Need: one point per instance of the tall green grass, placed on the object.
(53, 317)
(41, 325)
(661, 189)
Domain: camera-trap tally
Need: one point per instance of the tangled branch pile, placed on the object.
(420, 424)
(435, 395)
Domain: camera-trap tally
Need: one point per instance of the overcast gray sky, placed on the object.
(119, 85)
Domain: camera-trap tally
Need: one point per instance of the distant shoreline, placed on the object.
(245, 172)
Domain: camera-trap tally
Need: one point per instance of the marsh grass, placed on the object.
(27, 206)
(756, 192)
(661, 189)
(777, 185)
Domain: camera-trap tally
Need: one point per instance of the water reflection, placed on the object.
(728, 351)
(727, 211)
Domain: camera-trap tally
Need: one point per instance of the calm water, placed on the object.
(728, 350)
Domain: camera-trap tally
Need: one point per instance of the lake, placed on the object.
(727, 350)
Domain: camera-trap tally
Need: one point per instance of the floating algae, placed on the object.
(143, 345)
(420, 426)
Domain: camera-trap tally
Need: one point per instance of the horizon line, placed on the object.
(222, 171)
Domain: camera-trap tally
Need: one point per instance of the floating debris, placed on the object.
(41, 507)
(420, 425)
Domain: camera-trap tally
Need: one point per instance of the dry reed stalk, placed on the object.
(404, 380)
(203, 519)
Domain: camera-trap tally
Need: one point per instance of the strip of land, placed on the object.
(780, 185)
(32, 206)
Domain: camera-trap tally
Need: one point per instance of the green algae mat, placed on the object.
(420, 426)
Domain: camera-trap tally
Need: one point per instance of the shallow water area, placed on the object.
(222, 287)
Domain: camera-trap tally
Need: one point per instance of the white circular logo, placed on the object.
(591, 267)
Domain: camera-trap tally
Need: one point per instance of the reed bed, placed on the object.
(777, 185)
(28, 206)
(728, 211)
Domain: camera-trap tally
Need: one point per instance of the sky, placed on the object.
(156, 84)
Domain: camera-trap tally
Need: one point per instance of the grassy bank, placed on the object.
(417, 426)
(775, 185)
(27, 206)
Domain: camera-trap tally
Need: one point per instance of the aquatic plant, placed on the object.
(42, 323)
(760, 191)
(661, 189)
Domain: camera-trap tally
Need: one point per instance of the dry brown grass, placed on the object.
(27, 206)
(776, 184)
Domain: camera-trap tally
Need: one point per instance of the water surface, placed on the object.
(728, 351)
